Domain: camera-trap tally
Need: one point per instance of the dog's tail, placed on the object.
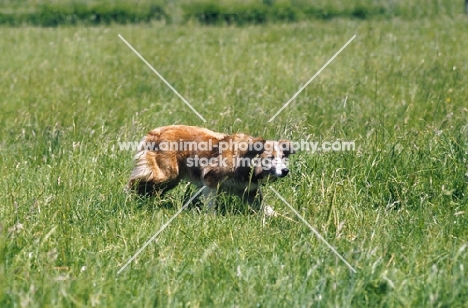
(142, 172)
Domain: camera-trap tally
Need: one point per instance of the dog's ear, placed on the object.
(248, 146)
(287, 147)
(256, 146)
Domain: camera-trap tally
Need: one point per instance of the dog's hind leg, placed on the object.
(153, 173)
(189, 191)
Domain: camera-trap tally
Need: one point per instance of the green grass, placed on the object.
(396, 208)
(53, 13)
(84, 13)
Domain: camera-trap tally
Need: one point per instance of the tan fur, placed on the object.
(159, 170)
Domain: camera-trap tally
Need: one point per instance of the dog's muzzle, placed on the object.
(284, 172)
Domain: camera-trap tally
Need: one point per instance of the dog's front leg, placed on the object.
(210, 198)
(255, 200)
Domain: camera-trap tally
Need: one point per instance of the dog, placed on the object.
(237, 164)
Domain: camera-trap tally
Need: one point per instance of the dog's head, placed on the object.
(262, 159)
(273, 160)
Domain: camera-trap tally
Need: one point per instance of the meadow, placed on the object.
(396, 207)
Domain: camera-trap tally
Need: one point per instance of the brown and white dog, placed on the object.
(237, 164)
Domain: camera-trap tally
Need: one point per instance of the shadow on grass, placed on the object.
(174, 199)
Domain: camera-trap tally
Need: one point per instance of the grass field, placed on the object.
(396, 208)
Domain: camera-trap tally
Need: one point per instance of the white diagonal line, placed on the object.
(160, 230)
(162, 78)
(313, 230)
(313, 77)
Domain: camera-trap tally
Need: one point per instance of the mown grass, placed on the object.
(396, 208)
